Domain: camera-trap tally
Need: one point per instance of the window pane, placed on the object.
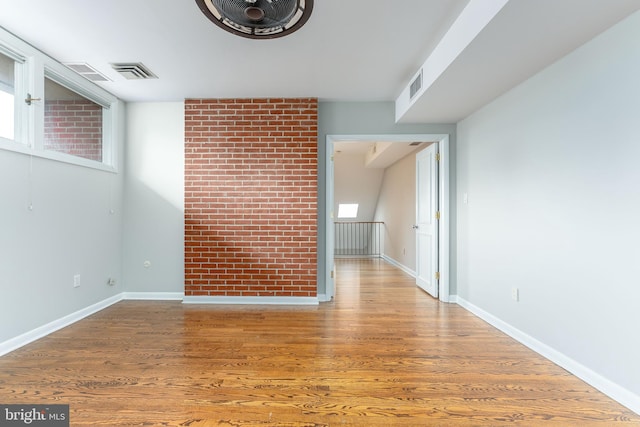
(72, 123)
(346, 210)
(7, 103)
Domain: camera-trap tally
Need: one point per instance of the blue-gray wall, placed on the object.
(552, 174)
(154, 198)
(75, 227)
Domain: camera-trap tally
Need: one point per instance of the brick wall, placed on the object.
(251, 197)
(73, 127)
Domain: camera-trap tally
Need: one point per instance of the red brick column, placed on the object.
(251, 197)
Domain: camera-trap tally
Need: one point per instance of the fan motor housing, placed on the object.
(257, 19)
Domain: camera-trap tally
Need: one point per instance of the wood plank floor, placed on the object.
(384, 353)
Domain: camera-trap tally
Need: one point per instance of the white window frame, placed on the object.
(107, 119)
(19, 128)
(29, 122)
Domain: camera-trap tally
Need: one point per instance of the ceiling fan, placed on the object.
(257, 19)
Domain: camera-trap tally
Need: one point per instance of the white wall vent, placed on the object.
(416, 85)
(133, 70)
(87, 71)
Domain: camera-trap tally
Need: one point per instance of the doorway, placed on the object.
(442, 141)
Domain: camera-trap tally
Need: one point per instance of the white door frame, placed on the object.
(443, 187)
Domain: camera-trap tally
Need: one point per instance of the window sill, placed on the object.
(16, 147)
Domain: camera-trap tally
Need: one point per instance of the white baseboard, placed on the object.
(400, 266)
(323, 298)
(153, 296)
(251, 300)
(44, 330)
(606, 386)
(611, 389)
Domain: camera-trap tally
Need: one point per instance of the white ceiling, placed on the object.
(349, 50)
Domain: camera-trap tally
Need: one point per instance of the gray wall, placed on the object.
(397, 209)
(368, 118)
(70, 231)
(154, 198)
(553, 182)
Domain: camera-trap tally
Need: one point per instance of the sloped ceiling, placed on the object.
(377, 154)
(354, 183)
(358, 175)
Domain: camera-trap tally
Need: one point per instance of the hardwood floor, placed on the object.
(384, 353)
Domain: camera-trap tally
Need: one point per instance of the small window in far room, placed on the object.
(348, 210)
(7, 99)
(72, 123)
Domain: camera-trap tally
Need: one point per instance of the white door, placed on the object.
(427, 219)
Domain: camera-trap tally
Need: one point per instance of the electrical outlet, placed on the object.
(515, 294)
(146, 264)
(76, 281)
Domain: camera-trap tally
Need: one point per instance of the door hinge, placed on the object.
(438, 215)
(437, 275)
(438, 157)
(332, 274)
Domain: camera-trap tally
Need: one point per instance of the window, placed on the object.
(72, 123)
(47, 110)
(348, 210)
(7, 97)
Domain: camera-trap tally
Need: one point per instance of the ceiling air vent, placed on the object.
(87, 71)
(416, 85)
(133, 71)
